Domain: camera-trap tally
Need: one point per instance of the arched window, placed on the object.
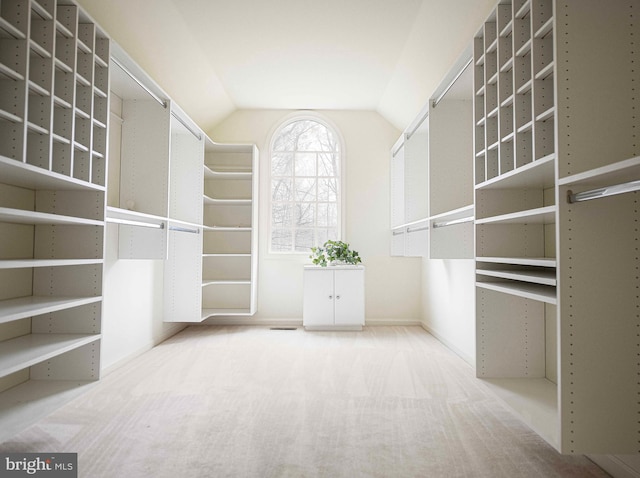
(305, 186)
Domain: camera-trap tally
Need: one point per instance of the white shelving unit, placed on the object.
(556, 316)
(139, 163)
(54, 76)
(200, 220)
(230, 247)
(431, 178)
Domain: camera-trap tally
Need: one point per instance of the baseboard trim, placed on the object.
(273, 322)
(470, 360)
(614, 466)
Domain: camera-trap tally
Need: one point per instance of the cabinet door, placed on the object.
(349, 297)
(318, 298)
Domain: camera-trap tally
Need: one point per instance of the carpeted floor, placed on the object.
(255, 402)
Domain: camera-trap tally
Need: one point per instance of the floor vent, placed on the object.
(284, 328)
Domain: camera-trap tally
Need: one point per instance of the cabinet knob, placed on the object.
(330, 297)
(338, 297)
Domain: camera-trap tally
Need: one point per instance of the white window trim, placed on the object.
(291, 118)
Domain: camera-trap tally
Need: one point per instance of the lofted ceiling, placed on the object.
(216, 56)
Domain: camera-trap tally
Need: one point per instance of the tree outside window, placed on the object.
(305, 186)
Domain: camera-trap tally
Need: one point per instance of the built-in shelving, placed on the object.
(53, 153)
(229, 257)
(437, 221)
(556, 313)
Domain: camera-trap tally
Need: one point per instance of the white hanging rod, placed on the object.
(452, 222)
(184, 123)
(184, 229)
(439, 98)
(422, 120)
(142, 85)
(128, 222)
(603, 192)
(416, 229)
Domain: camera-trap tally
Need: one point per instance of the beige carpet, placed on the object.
(254, 402)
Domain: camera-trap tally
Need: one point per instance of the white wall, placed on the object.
(392, 284)
(132, 306)
(448, 303)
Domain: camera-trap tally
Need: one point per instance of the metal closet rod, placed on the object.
(184, 123)
(452, 222)
(416, 229)
(142, 85)
(422, 120)
(184, 229)
(603, 192)
(439, 98)
(128, 222)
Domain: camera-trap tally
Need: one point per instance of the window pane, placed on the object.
(328, 164)
(327, 189)
(328, 214)
(304, 240)
(282, 164)
(305, 164)
(281, 189)
(281, 240)
(305, 189)
(282, 215)
(306, 214)
(323, 235)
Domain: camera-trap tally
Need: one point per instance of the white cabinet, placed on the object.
(333, 297)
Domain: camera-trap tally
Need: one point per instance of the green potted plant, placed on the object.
(334, 253)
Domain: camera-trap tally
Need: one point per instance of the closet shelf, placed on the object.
(544, 277)
(32, 177)
(537, 174)
(227, 228)
(523, 261)
(24, 263)
(5, 115)
(222, 254)
(210, 173)
(28, 350)
(11, 30)
(542, 293)
(618, 172)
(20, 216)
(542, 215)
(208, 282)
(208, 201)
(206, 313)
(534, 400)
(23, 307)
(546, 28)
(10, 73)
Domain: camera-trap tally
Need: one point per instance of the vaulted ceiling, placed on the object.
(215, 56)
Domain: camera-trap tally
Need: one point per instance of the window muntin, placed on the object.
(305, 186)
